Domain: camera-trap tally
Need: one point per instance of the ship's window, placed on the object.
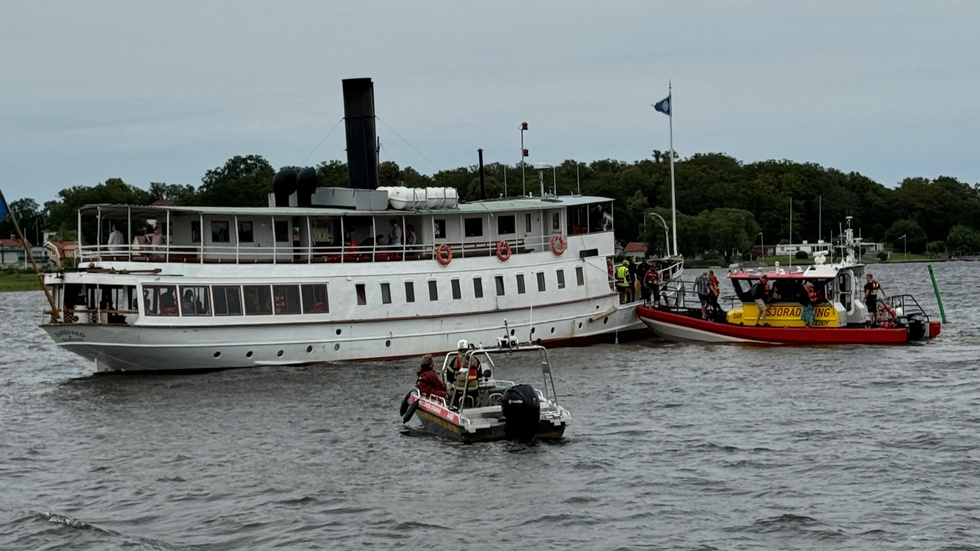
(499, 281)
(457, 294)
(258, 300)
(477, 287)
(527, 222)
(541, 287)
(160, 300)
(286, 299)
(227, 300)
(473, 227)
(579, 276)
(195, 231)
(361, 294)
(194, 301)
(409, 291)
(315, 299)
(219, 232)
(433, 290)
(439, 228)
(281, 228)
(561, 278)
(520, 284)
(555, 221)
(506, 225)
(245, 234)
(385, 293)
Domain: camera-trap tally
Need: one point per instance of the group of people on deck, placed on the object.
(809, 296)
(462, 376)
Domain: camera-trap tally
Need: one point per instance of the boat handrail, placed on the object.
(278, 254)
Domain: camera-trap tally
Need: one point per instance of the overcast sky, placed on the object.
(164, 91)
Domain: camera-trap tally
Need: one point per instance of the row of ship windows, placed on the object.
(236, 300)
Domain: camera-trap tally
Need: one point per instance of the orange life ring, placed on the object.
(444, 254)
(558, 244)
(503, 250)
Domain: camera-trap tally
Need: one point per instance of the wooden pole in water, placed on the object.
(939, 298)
(27, 250)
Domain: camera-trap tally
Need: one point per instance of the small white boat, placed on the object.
(499, 409)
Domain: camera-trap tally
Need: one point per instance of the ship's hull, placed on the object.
(182, 347)
(680, 325)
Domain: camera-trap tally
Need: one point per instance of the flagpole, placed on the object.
(23, 242)
(673, 200)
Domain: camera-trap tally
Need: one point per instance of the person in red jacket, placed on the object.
(429, 381)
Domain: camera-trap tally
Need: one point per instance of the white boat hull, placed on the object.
(163, 348)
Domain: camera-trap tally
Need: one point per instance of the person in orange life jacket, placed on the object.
(466, 379)
(429, 382)
(714, 289)
(871, 289)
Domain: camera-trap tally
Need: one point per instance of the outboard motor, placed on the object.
(916, 328)
(522, 412)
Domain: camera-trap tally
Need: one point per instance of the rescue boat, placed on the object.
(840, 314)
(499, 409)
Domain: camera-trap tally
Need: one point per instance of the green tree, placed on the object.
(62, 216)
(913, 234)
(333, 174)
(963, 240)
(180, 194)
(241, 182)
(30, 218)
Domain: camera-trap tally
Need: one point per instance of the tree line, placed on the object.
(724, 206)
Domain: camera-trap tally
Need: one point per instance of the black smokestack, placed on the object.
(362, 155)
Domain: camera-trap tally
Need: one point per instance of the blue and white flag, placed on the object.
(3, 207)
(663, 106)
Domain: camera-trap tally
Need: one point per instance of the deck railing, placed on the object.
(288, 254)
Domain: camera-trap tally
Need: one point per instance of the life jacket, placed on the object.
(621, 273)
(467, 378)
(814, 296)
(875, 287)
(652, 276)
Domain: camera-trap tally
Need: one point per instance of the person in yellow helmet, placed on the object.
(622, 285)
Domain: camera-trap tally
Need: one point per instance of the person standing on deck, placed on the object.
(395, 237)
(871, 289)
(760, 292)
(116, 239)
(714, 290)
(703, 288)
(622, 273)
(651, 283)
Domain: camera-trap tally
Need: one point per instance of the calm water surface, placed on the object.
(673, 447)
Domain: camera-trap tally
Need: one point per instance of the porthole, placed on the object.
(217, 354)
(338, 331)
(279, 353)
(336, 346)
(511, 332)
(248, 354)
(552, 330)
(579, 325)
(532, 330)
(605, 320)
(388, 344)
(309, 349)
